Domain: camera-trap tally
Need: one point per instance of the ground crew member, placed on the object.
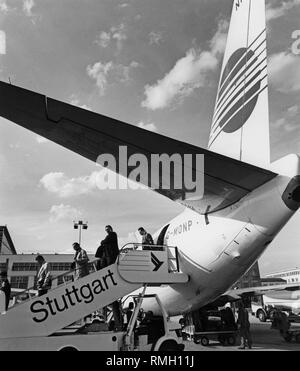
(81, 261)
(147, 240)
(43, 276)
(5, 287)
(244, 327)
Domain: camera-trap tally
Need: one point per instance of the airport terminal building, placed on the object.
(22, 269)
(290, 276)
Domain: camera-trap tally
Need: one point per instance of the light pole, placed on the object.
(80, 225)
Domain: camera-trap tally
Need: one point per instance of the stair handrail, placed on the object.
(73, 271)
(153, 248)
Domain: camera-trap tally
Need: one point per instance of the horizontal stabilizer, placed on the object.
(89, 134)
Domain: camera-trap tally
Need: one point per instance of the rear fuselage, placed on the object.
(217, 249)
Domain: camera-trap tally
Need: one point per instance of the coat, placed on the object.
(109, 249)
(43, 277)
(81, 264)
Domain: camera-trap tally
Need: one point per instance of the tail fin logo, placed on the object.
(240, 112)
(238, 3)
(243, 80)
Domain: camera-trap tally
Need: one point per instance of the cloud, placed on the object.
(3, 6)
(280, 11)
(293, 111)
(218, 42)
(284, 71)
(117, 33)
(99, 72)
(155, 38)
(104, 179)
(109, 73)
(75, 102)
(61, 212)
(123, 5)
(69, 187)
(27, 7)
(130, 238)
(188, 74)
(150, 126)
(104, 39)
(2, 42)
(42, 140)
(290, 122)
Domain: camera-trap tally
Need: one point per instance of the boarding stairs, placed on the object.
(73, 300)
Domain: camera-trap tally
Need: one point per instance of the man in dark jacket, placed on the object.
(107, 253)
(244, 327)
(108, 250)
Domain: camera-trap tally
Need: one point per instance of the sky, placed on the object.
(144, 62)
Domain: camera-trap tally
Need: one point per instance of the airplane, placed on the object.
(264, 299)
(284, 300)
(246, 200)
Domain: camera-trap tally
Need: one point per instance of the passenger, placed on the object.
(101, 258)
(108, 250)
(147, 240)
(43, 276)
(107, 253)
(81, 261)
(5, 287)
(244, 327)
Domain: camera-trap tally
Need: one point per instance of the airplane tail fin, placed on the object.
(240, 127)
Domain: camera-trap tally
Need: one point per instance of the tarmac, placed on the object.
(264, 339)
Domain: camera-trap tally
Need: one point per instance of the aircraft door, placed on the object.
(161, 240)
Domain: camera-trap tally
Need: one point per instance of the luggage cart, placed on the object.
(224, 337)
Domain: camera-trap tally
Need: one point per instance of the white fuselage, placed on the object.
(216, 250)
